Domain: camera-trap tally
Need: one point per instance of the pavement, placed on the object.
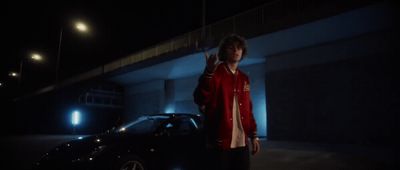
(286, 155)
(21, 152)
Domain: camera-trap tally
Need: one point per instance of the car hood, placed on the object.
(107, 139)
(88, 145)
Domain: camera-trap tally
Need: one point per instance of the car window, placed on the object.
(181, 126)
(143, 125)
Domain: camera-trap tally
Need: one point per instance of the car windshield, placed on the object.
(142, 125)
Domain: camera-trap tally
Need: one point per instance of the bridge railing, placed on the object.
(267, 18)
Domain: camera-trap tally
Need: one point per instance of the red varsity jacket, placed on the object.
(214, 96)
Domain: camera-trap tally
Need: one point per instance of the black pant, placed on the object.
(233, 159)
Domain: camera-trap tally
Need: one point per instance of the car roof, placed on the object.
(172, 115)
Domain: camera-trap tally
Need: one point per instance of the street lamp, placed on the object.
(36, 57)
(13, 74)
(80, 27)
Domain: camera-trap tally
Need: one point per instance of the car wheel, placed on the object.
(131, 163)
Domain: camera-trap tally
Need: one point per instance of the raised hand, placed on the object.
(212, 62)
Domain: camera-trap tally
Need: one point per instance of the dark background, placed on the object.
(117, 29)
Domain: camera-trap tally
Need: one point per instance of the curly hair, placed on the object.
(230, 40)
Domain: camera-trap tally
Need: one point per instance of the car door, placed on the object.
(180, 142)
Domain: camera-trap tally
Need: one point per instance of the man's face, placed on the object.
(234, 53)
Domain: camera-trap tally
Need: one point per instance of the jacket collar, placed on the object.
(228, 70)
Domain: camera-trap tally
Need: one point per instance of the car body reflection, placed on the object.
(161, 141)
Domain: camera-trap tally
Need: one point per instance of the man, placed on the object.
(223, 95)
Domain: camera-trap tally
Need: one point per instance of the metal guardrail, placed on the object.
(266, 18)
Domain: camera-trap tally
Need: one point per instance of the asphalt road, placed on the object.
(21, 152)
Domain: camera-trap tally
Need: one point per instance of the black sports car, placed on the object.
(161, 141)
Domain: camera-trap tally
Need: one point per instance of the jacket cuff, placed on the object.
(253, 135)
(207, 73)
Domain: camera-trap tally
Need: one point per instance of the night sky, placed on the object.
(117, 29)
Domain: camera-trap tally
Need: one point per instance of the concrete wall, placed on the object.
(339, 92)
(144, 98)
(257, 73)
(184, 88)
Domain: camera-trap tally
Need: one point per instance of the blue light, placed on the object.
(169, 109)
(76, 116)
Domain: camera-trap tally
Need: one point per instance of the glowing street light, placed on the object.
(36, 57)
(13, 74)
(82, 28)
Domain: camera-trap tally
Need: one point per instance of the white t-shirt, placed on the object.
(238, 136)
